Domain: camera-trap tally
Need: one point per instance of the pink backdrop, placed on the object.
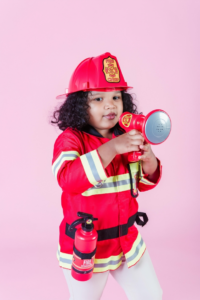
(157, 45)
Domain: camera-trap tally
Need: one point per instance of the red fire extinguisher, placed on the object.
(84, 247)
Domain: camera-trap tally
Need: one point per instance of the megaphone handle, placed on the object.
(133, 156)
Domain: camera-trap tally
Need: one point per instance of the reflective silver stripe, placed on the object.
(114, 184)
(136, 251)
(93, 167)
(65, 260)
(111, 262)
(62, 156)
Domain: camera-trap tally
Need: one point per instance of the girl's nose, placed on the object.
(110, 103)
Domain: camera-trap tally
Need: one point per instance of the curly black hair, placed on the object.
(73, 112)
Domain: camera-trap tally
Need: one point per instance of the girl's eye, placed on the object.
(116, 97)
(98, 99)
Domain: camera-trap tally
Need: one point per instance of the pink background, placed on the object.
(157, 45)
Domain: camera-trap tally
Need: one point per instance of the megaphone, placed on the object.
(155, 127)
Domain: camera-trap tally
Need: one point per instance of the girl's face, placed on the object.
(104, 110)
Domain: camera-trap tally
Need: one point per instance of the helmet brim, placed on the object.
(127, 88)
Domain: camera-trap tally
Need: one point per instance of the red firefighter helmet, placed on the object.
(100, 73)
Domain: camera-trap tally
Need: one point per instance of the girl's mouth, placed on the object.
(110, 116)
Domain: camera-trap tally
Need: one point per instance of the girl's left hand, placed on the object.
(149, 162)
(148, 154)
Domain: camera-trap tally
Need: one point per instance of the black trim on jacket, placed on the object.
(117, 130)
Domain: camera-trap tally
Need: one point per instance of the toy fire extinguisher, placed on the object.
(84, 247)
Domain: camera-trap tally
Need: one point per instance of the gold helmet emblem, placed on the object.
(111, 70)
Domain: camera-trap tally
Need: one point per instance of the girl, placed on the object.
(91, 166)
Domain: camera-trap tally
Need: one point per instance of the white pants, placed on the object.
(139, 282)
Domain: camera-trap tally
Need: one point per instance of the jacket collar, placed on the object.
(91, 130)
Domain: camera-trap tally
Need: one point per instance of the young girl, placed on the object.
(91, 165)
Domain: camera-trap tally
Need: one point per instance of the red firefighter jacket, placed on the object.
(104, 193)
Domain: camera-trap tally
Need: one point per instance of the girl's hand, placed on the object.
(148, 154)
(127, 142)
(149, 162)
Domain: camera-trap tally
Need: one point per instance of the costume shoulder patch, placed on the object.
(111, 70)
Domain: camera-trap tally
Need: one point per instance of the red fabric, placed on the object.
(111, 209)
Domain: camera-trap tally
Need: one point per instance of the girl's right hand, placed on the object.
(128, 142)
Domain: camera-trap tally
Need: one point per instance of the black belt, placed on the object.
(82, 255)
(117, 231)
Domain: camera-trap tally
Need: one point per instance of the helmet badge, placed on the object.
(111, 70)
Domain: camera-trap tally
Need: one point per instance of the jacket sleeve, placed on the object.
(75, 170)
(144, 184)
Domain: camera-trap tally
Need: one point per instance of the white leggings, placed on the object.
(139, 282)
